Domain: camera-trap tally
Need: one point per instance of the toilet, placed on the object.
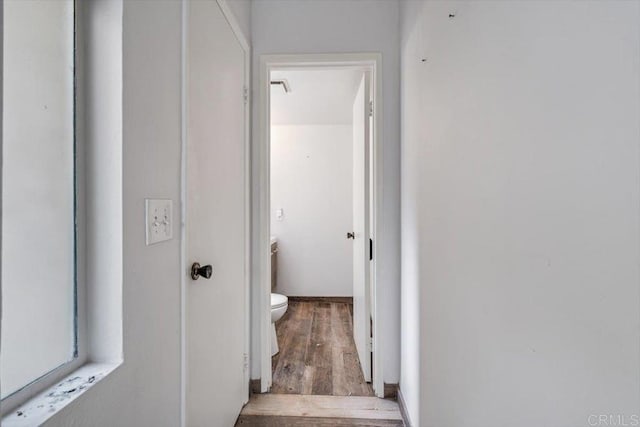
(279, 304)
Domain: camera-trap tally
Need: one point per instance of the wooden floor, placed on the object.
(317, 353)
(280, 410)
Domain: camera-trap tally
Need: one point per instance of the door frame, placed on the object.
(262, 169)
(184, 268)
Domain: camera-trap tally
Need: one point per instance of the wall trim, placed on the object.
(246, 47)
(183, 210)
(403, 409)
(261, 146)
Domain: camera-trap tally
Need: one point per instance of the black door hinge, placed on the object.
(370, 249)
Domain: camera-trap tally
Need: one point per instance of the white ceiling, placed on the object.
(320, 97)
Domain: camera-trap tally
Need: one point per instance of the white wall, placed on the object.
(317, 96)
(330, 26)
(311, 180)
(145, 390)
(520, 193)
(100, 127)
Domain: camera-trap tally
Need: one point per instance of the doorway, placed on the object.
(318, 160)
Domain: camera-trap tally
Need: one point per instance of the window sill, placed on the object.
(45, 405)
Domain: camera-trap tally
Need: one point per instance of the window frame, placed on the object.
(99, 135)
(79, 356)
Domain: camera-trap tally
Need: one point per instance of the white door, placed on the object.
(215, 219)
(361, 195)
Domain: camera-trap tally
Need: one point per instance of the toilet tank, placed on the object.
(274, 265)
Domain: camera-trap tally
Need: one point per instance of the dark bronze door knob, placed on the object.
(201, 271)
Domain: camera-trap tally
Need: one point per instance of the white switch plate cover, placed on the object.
(159, 220)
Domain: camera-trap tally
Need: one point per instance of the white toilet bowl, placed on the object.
(279, 304)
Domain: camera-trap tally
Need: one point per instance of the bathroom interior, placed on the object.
(315, 183)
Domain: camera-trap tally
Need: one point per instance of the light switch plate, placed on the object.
(159, 220)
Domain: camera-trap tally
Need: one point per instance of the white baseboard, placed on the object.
(403, 409)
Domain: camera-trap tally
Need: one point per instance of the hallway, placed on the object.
(450, 190)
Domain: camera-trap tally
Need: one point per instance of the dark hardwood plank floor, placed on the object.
(317, 353)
